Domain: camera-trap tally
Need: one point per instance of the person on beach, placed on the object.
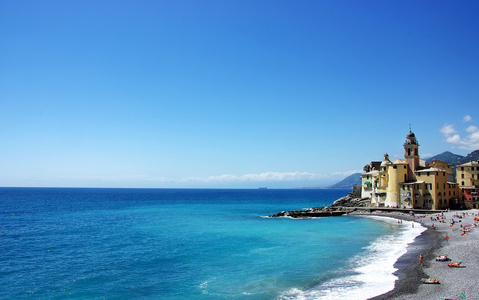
(421, 259)
(447, 238)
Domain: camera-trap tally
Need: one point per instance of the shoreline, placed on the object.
(431, 243)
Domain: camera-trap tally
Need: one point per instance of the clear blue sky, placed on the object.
(236, 94)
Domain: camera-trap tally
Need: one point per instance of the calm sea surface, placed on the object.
(58, 243)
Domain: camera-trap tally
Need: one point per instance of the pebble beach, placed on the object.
(452, 234)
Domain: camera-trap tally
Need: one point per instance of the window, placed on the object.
(395, 167)
(428, 174)
(462, 175)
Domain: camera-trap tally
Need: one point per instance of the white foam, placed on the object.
(372, 272)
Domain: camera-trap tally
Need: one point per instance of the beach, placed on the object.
(455, 282)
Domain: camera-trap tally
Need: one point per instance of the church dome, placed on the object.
(386, 161)
(411, 138)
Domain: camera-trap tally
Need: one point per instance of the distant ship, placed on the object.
(263, 188)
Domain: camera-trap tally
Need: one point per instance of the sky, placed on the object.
(230, 94)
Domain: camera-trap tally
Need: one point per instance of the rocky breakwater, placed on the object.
(338, 208)
(309, 213)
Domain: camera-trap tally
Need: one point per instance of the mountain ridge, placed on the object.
(348, 182)
(455, 159)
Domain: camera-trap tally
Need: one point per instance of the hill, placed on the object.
(448, 157)
(474, 155)
(455, 159)
(348, 182)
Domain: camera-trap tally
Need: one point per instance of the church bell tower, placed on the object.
(411, 154)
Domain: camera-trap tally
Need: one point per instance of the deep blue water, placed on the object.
(58, 243)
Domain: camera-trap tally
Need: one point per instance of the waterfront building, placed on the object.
(468, 179)
(409, 182)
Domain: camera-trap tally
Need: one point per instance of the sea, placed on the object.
(92, 243)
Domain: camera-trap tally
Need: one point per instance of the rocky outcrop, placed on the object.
(348, 201)
(353, 199)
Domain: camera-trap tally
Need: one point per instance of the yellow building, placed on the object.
(441, 165)
(468, 178)
(438, 191)
(468, 174)
(409, 183)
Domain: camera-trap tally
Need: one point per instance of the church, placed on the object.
(410, 182)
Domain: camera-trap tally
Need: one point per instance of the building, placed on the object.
(409, 183)
(468, 179)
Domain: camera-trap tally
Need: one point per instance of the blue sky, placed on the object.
(233, 94)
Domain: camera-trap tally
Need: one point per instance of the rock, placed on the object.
(353, 199)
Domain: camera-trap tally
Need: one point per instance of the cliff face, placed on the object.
(353, 199)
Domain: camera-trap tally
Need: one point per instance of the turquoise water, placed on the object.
(182, 244)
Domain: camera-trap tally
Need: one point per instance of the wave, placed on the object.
(368, 274)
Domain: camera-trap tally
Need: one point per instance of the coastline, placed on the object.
(455, 282)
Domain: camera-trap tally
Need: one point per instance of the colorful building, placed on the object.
(468, 179)
(409, 183)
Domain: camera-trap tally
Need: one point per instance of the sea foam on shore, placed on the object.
(455, 283)
(372, 272)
